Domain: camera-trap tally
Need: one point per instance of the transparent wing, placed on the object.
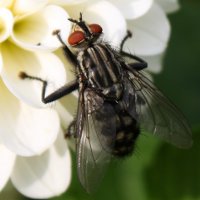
(96, 141)
(156, 113)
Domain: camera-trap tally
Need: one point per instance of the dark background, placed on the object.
(159, 171)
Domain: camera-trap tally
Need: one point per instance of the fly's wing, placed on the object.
(94, 147)
(156, 113)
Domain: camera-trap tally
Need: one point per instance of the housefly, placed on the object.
(115, 102)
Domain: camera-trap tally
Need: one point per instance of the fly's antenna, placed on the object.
(82, 25)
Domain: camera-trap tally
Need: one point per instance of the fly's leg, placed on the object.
(141, 64)
(76, 126)
(66, 89)
(71, 130)
(128, 35)
(66, 50)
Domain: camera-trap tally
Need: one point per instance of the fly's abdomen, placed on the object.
(126, 135)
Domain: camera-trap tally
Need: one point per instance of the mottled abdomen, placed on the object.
(126, 135)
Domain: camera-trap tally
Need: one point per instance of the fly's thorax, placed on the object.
(113, 92)
(102, 68)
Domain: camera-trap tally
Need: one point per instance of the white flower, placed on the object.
(31, 145)
(32, 150)
(169, 5)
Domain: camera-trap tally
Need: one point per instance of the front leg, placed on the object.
(66, 49)
(141, 64)
(64, 90)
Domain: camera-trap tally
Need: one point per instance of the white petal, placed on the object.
(66, 109)
(44, 176)
(169, 5)
(150, 33)
(132, 9)
(35, 31)
(1, 63)
(45, 65)
(155, 63)
(21, 7)
(7, 160)
(25, 130)
(6, 3)
(67, 2)
(69, 67)
(6, 24)
(110, 18)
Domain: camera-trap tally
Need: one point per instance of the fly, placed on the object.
(115, 102)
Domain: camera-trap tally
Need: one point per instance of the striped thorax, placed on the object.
(101, 67)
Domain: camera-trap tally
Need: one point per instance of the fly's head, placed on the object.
(83, 34)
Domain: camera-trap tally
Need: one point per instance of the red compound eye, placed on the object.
(76, 37)
(95, 28)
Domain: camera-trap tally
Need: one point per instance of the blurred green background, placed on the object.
(159, 171)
